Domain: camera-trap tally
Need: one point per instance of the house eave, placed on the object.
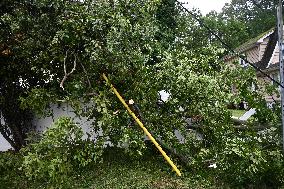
(271, 68)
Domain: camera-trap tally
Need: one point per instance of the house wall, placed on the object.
(230, 60)
(65, 110)
(265, 82)
(262, 47)
(253, 54)
(58, 111)
(275, 58)
(4, 145)
(42, 124)
(276, 54)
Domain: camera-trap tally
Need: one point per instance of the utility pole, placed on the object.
(281, 60)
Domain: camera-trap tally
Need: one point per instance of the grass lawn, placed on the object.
(120, 171)
(237, 113)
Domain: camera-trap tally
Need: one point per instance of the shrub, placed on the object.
(244, 159)
(60, 152)
(10, 162)
(247, 161)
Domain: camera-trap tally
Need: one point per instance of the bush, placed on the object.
(244, 159)
(59, 153)
(10, 162)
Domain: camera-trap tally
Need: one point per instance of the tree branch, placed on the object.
(257, 5)
(65, 71)
(86, 73)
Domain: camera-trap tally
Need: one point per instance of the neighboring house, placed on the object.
(263, 52)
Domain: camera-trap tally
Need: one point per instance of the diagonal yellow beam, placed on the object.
(142, 127)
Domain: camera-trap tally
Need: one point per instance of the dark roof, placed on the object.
(250, 44)
(268, 53)
(253, 42)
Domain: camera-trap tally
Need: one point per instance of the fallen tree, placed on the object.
(64, 47)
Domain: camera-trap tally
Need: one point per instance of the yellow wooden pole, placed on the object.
(142, 127)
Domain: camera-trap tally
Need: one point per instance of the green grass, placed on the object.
(237, 113)
(122, 172)
(118, 170)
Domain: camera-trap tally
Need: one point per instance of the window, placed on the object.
(253, 87)
(243, 63)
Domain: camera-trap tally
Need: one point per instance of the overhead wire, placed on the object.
(228, 47)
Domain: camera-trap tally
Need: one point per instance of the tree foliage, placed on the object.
(241, 20)
(62, 48)
(61, 151)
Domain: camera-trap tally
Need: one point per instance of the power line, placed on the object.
(228, 47)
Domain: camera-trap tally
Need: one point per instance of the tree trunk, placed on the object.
(15, 123)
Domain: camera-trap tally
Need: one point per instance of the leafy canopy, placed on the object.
(63, 47)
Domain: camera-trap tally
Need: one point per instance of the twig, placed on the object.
(91, 94)
(275, 101)
(65, 72)
(86, 73)
(89, 82)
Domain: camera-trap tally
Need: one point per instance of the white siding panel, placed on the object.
(43, 123)
(262, 47)
(64, 110)
(276, 56)
(4, 145)
(253, 55)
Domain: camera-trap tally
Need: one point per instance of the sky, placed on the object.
(206, 6)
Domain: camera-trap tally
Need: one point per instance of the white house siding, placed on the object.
(262, 47)
(58, 111)
(275, 56)
(65, 110)
(43, 123)
(266, 81)
(253, 55)
(4, 145)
